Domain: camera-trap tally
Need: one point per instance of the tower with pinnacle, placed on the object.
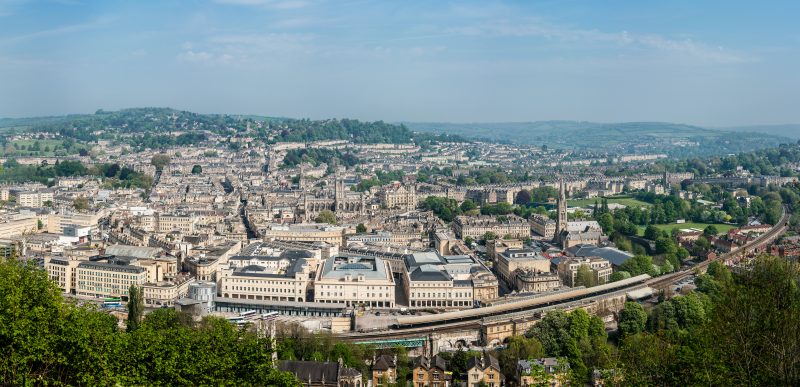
(561, 221)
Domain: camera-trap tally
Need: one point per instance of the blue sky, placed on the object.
(712, 63)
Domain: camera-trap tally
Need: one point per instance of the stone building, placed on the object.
(502, 226)
(430, 372)
(398, 196)
(568, 269)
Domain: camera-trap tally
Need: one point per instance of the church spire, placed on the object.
(561, 221)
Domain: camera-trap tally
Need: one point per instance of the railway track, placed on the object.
(777, 230)
(409, 332)
(657, 283)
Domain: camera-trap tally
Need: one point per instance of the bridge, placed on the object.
(493, 323)
(414, 342)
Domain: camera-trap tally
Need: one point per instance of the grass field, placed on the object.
(721, 228)
(47, 148)
(625, 201)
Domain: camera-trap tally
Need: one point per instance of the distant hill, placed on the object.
(786, 130)
(614, 138)
(164, 127)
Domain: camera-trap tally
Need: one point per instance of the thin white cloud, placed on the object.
(270, 4)
(196, 56)
(240, 49)
(535, 27)
(90, 25)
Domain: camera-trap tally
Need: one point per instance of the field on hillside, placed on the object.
(721, 228)
(625, 201)
(47, 147)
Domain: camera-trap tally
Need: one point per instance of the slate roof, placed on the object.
(133, 251)
(296, 254)
(384, 363)
(483, 362)
(615, 256)
(313, 371)
(428, 363)
(429, 273)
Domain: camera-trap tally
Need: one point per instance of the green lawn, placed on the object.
(625, 201)
(47, 148)
(721, 228)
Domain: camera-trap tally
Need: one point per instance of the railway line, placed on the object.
(415, 326)
(777, 230)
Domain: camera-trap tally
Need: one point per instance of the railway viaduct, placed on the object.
(493, 330)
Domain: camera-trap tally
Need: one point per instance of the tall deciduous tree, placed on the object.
(135, 307)
(632, 319)
(326, 216)
(585, 276)
(160, 161)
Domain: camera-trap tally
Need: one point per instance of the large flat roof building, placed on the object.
(355, 281)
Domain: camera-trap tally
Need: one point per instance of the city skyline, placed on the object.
(718, 64)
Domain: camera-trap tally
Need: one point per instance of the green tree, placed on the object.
(682, 254)
(80, 203)
(30, 315)
(489, 236)
(632, 319)
(639, 264)
(361, 228)
(160, 161)
(468, 205)
(523, 197)
(666, 245)
(445, 208)
(517, 348)
(619, 275)
(111, 171)
(585, 276)
(197, 169)
(652, 232)
(326, 216)
(710, 230)
(606, 222)
(135, 307)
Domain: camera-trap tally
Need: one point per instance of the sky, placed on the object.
(710, 63)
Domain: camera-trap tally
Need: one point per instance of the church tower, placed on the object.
(339, 194)
(561, 221)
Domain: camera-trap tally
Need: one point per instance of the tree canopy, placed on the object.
(47, 341)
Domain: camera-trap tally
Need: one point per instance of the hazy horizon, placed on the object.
(713, 65)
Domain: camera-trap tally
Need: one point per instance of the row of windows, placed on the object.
(337, 294)
(441, 295)
(236, 280)
(272, 290)
(106, 274)
(385, 288)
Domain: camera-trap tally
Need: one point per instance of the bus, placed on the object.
(269, 316)
(249, 314)
(112, 302)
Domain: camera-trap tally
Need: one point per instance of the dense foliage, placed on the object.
(345, 129)
(381, 178)
(445, 208)
(576, 336)
(317, 156)
(45, 340)
(740, 329)
(676, 140)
